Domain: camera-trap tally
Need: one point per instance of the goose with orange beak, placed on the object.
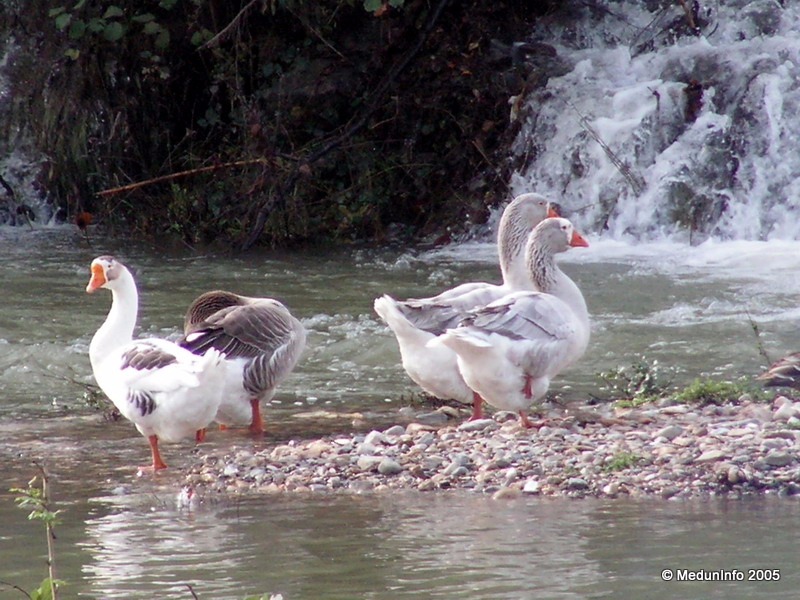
(416, 322)
(165, 390)
(510, 350)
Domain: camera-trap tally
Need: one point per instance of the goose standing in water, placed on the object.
(262, 343)
(416, 322)
(165, 390)
(510, 350)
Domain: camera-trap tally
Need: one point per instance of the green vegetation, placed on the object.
(641, 382)
(35, 497)
(644, 381)
(621, 461)
(709, 391)
(271, 122)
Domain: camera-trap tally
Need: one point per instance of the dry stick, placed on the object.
(224, 31)
(689, 15)
(759, 344)
(179, 174)
(337, 140)
(634, 180)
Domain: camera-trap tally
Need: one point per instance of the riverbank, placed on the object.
(673, 451)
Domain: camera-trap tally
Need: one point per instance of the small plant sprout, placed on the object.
(35, 497)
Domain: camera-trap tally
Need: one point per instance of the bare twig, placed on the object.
(225, 30)
(759, 344)
(689, 15)
(15, 587)
(192, 592)
(634, 180)
(187, 173)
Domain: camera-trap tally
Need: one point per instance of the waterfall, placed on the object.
(661, 132)
(20, 166)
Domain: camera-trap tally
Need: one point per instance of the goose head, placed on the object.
(107, 272)
(556, 235)
(521, 215)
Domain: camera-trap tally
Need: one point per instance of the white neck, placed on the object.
(511, 238)
(547, 277)
(118, 326)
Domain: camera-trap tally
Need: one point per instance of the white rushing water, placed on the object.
(733, 160)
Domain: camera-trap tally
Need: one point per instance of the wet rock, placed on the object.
(394, 431)
(507, 493)
(432, 418)
(709, 456)
(479, 425)
(777, 458)
(670, 432)
(389, 466)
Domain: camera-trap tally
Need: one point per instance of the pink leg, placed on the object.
(200, 435)
(257, 424)
(477, 407)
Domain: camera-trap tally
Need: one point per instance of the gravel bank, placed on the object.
(677, 451)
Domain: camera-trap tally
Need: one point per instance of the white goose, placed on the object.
(416, 322)
(166, 391)
(262, 343)
(509, 350)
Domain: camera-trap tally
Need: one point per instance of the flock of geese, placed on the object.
(475, 343)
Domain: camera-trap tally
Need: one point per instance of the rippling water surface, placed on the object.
(124, 536)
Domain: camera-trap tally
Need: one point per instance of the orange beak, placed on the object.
(578, 240)
(552, 213)
(98, 279)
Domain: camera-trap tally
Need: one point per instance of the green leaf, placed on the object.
(62, 21)
(77, 29)
(162, 39)
(79, 5)
(152, 28)
(114, 31)
(54, 12)
(372, 5)
(167, 4)
(96, 25)
(144, 18)
(72, 53)
(112, 12)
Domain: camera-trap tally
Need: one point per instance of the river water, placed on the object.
(123, 536)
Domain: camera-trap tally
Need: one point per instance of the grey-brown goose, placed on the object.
(262, 343)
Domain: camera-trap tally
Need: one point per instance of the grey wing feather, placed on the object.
(243, 331)
(266, 371)
(144, 356)
(528, 315)
(433, 318)
(436, 316)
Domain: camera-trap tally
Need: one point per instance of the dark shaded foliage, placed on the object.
(297, 112)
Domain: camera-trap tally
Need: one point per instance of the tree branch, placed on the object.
(187, 173)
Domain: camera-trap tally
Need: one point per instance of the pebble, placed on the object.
(670, 432)
(669, 451)
(389, 466)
